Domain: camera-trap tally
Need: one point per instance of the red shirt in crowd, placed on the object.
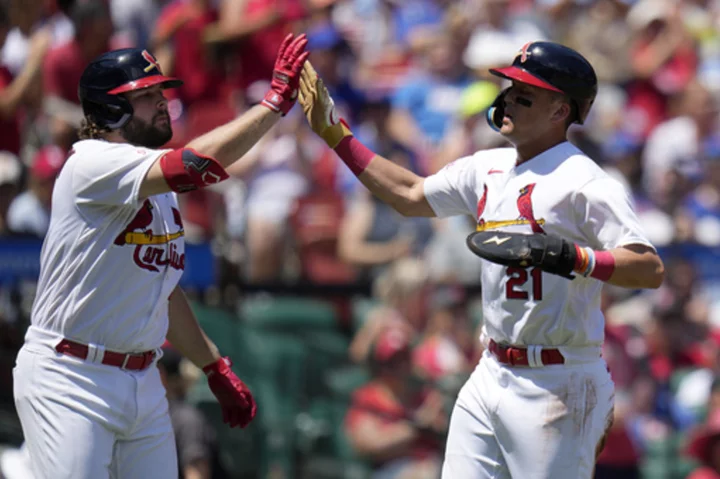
(62, 69)
(10, 138)
(373, 400)
(257, 52)
(195, 65)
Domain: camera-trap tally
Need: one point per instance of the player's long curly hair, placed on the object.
(89, 130)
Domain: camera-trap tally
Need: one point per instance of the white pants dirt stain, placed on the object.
(84, 420)
(529, 423)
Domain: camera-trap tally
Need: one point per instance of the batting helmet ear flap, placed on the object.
(496, 112)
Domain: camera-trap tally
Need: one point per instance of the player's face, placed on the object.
(150, 124)
(530, 112)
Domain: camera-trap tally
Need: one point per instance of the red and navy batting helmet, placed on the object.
(113, 73)
(554, 67)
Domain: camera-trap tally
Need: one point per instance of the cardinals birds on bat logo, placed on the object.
(523, 53)
(152, 62)
(525, 209)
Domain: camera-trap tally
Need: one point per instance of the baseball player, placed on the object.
(86, 386)
(552, 227)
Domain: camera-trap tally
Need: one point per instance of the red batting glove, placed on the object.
(286, 75)
(236, 400)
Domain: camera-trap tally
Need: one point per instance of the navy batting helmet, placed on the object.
(113, 73)
(553, 67)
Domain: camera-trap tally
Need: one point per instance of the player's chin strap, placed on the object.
(496, 112)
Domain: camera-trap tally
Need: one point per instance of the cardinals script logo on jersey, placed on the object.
(525, 209)
(153, 251)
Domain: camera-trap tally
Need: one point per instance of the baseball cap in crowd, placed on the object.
(48, 162)
(10, 169)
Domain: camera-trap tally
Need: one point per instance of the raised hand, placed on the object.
(319, 108)
(286, 74)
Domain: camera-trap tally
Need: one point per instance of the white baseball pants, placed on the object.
(84, 420)
(529, 423)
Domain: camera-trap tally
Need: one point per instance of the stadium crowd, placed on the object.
(411, 76)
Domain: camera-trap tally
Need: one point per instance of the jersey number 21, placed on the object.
(517, 277)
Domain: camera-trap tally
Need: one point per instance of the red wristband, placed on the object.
(604, 265)
(354, 154)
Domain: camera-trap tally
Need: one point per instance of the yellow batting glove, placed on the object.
(319, 108)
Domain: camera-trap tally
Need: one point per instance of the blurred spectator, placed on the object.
(64, 66)
(705, 447)
(663, 60)
(134, 20)
(499, 36)
(682, 293)
(316, 221)
(396, 425)
(27, 17)
(368, 26)
(373, 235)
(15, 90)
(469, 130)
(179, 41)
(620, 458)
(601, 33)
(401, 291)
(440, 351)
(280, 176)
(255, 28)
(429, 98)
(29, 212)
(198, 456)
(713, 404)
(703, 203)
(10, 172)
(679, 144)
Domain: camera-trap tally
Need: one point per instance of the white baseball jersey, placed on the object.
(109, 261)
(560, 192)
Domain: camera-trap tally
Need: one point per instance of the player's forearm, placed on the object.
(185, 333)
(637, 266)
(231, 141)
(393, 184)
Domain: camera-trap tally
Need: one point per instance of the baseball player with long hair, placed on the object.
(552, 228)
(87, 389)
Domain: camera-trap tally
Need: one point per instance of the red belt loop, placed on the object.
(129, 361)
(517, 356)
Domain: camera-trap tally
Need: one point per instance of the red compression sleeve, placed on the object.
(354, 154)
(604, 265)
